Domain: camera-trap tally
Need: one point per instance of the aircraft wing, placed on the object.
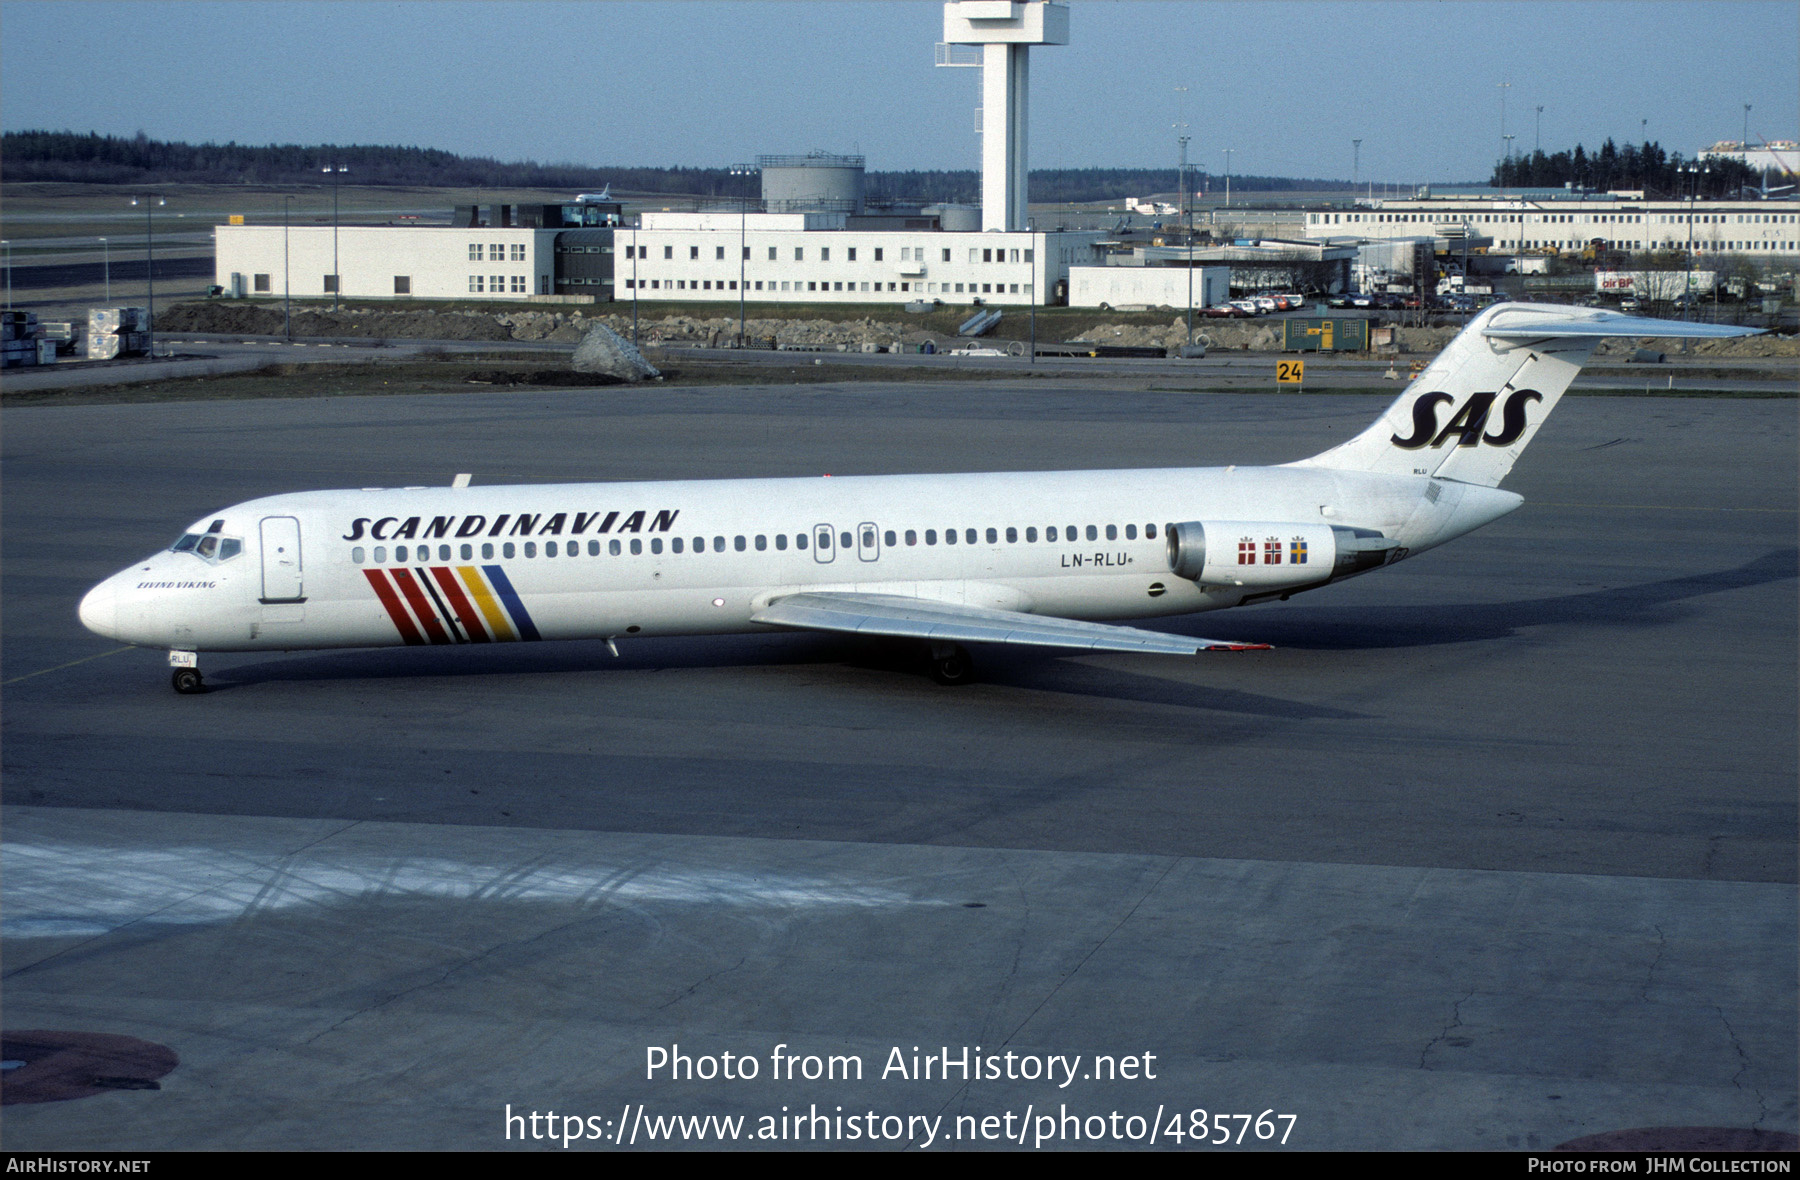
(919, 618)
(1607, 323)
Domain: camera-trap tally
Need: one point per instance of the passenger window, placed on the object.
(506, 550)
(229, 548)
(443, 553)
(573, 549)
(487, 551)
(531, 549)
(799, 540)
(593, 549)
(699, 544)
(1131, 532)
(637, 546)
(931, 536)
(1050, 533)
(1012, 535)
(380, 554)
(1070, 534)
(993, 536)
(781, 540)
(1093, 534)
(549, 549)
(612, 547)
(949, 536)
(912, 538)
(357, 555)
(737, 542)
(890, 538)
(675, 544)
(969, 536)
(399, 550)
(1031, 534)
(718, 544)
(845, 540)
(1112, 532)
(762, 542)
(868, 538)
(656, 544)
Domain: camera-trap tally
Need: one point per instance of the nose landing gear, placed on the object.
(186, 677)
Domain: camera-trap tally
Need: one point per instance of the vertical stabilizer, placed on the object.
(1476, 407)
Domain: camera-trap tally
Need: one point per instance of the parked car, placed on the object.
(1247, 306)
(1265, 305)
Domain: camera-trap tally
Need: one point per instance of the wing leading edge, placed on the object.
(918, 618)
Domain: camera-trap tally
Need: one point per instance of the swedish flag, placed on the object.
(1297, 552)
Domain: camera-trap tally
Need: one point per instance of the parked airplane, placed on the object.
(1025, 558)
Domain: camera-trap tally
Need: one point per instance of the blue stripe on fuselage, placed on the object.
(504, 588)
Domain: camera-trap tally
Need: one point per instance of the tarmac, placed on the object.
(1495, 850)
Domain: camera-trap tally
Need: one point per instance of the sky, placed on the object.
(1286, 86)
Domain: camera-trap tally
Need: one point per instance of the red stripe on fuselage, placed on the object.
(421, 606)
(395, 608)
(459, 602)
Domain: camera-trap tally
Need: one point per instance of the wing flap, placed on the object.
(918, 618)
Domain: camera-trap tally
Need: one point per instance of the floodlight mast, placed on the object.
(1005, 30)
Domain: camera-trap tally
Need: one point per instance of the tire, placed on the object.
(187, 681)
(954, 669)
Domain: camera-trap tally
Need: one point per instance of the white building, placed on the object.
(1148, 286)
(811, 258)
(1507, 223)
(385, 262)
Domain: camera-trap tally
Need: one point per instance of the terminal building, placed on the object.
(1559, 220)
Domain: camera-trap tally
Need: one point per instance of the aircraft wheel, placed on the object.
(954, 668)
(187, 681)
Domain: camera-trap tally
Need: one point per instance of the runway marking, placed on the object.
(84, 659)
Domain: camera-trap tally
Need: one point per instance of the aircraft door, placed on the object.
(868, 541)
(281, 560)
(824, 543)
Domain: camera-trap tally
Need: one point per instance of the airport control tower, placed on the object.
(1005, 30)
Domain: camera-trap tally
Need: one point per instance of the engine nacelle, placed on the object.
(1271, 553)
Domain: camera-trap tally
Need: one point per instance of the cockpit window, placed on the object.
(209, 547)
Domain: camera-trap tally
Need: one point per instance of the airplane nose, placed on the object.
(100, 609)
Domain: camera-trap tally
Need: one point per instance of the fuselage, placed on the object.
(376, 567)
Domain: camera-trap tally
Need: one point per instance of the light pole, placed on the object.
(1355, 166)
(337, 278)
(1537, 135)
(634, 287)
(106, 264)
(1228, 152)
(151, 200)
(1746, 130)
(1508, 139)
(1187, 225)
(287, 299)
(8, 246)
(1504, 87)
(743, 244)
(1694, 172)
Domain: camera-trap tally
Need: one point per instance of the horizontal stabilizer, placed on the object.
(1607, 323)
(919, 618)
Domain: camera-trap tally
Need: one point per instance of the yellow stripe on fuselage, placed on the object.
(484, 599)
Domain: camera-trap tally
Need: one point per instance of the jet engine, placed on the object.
(1272, 553)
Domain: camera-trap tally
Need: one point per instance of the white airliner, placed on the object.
(1026, 558)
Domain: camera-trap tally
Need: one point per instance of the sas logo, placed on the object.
(1470, 422)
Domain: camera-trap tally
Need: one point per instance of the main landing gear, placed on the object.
(186, 677)
(950, 664)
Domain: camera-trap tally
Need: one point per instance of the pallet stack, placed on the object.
(18, 339)
(117, 331)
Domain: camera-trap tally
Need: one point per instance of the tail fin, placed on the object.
(1479, 404)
